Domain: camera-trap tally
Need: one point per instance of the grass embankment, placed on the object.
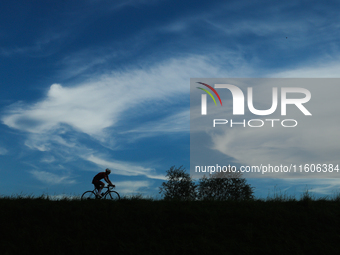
(135, 226)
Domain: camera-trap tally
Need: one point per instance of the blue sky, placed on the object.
(87, 85)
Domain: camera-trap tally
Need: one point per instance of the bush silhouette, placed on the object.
(179, 186)
(224, 186)
(219, 186)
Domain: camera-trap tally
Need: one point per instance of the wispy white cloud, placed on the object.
(3, 151)
(51, 178)
(322, 68)
(325, 187)
(176, 123)
(92, 106)
(132, 187)
(125, 168)
(40, 47)
(48, 159)
(47, 140)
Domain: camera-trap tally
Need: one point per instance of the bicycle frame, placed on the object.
(108, 188)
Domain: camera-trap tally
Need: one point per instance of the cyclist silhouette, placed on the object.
(99, 185)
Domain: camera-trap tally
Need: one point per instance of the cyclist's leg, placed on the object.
(99, 186)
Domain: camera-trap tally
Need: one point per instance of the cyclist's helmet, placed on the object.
(108, 171)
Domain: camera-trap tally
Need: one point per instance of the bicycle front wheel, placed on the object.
(88, 195)
(112, 195)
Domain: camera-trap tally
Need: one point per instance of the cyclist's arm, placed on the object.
(108, 180)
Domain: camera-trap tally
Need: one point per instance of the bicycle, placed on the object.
(108, 194)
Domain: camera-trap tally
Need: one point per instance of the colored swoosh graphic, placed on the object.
(212, 90)
(209, 94)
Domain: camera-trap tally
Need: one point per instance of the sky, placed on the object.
(87, 85)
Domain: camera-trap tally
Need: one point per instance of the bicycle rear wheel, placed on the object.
(112, 195)
(88, 195)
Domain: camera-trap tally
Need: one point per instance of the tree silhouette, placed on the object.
(179, 186)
